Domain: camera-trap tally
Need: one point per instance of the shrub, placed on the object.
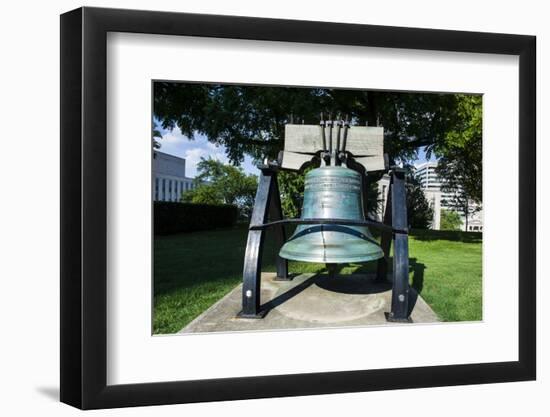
(449, 220)
(172, 217)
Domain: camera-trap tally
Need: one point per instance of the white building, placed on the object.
(438, 200)
(169, 180)
(431, 183)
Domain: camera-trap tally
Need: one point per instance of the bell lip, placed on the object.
(333, 260)
(357, 257)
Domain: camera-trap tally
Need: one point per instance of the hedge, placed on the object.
(171, 217)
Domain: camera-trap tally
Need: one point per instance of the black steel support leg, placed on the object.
(385, 241)
(266, 196)
(400, 292)
(276, 213)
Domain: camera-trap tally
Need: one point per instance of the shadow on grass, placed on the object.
(417, 269)
(194, 270)
(454, 236)
(186, 260)
(417, 283)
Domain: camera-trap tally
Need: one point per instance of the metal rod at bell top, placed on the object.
(345, 138)
(323, 136)
(338, 129)
(330, 123)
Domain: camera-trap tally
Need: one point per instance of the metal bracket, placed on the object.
(396, 216)
(267, 204)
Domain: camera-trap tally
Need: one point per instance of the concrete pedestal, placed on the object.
(311, 301)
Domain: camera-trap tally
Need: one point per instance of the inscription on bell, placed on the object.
(333, 184)
(333, 180)
(332, 192)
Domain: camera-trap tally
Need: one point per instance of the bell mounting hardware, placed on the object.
(332, 228)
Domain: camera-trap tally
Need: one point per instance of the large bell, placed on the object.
(332, 192)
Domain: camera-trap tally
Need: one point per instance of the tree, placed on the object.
(450, 220)
(419, 213)
(218, 183)
(204, 194)
(251, 119)
(291, 187)
(460, 163)
(373, 199)
(460, 202)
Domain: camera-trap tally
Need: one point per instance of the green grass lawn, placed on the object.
(194, 270)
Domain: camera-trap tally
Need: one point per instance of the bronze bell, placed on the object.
(332, 192)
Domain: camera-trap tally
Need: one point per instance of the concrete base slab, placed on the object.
(311, 301)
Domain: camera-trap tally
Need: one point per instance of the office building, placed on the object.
(169, 180)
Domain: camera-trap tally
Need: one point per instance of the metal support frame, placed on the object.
(396, 215)
(385, 240)
(267, 204)
(267, 213)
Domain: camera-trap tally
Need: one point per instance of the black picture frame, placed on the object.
(84, 207)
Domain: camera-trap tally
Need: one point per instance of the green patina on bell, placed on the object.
(332, 192)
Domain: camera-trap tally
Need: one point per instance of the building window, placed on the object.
(163, 197)
(156, 189)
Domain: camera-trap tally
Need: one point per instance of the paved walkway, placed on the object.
(310, 301)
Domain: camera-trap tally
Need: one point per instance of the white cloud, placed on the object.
(194, 155)
(175, 143)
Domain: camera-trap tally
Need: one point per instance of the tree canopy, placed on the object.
(419, 212)
(450, 220)
(460, 152)
(251, 119)
(218, 183)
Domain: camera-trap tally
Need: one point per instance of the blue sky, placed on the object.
(422, 157)
(173, 142)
